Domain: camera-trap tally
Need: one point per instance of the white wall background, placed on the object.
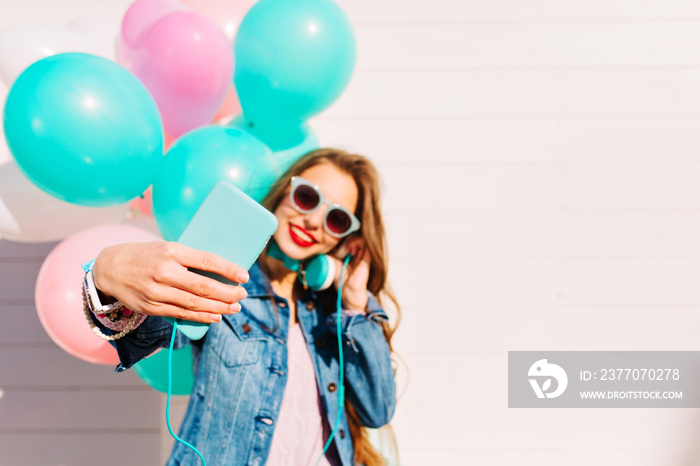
(541, 161)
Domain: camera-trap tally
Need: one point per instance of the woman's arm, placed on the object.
(153, 279)
(152, 334)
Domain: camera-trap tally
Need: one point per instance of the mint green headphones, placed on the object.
(316, 273)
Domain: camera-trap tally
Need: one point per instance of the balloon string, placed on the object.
(170, 387)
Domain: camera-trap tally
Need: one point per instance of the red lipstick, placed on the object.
(298, 240)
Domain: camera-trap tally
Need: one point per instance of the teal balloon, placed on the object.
(288, 142)
(197, 161)
(154, 371)
(293, 59)
(84, 129)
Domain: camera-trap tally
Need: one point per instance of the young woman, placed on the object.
(266, 376)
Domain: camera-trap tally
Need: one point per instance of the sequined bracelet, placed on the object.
(122, 319)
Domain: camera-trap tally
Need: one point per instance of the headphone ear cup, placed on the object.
(320, 272)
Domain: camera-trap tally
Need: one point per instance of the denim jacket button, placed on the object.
(342, 433)
(331, 387)
(246, 328)
(281, 304)
(310, 306)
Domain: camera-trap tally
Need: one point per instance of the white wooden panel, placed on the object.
(652, 454)
(36, 367)
(498, 282)
(29, 411)
(631, 235)
(57, 13)
(463, 189)
(392, 11)
(482, 283)
(15, 250)
(426, 236)
(420, 378)
(431, 141)
(448, 424)
(18, 279)
(412, 46)
(661, 187)
(20, 327)
(438, 235)
(85, 449)
(630, 283)
(426, 333)
(520, 92)
(505, 456)
(652, 188)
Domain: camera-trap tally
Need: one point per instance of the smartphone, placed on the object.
(229, 224)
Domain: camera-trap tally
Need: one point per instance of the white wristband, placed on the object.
(95, 297)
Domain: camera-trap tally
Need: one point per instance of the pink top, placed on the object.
(302, 429)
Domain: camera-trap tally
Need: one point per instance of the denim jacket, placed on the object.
(240, 369)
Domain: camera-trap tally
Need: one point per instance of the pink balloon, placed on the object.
(182, 57)
(138, 20)
(141, 16)
(227, 13)
(58, 296)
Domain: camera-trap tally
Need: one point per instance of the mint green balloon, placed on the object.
(200, 159)
(288, 142)
(293, 59)
(154, 371)
(84, 129)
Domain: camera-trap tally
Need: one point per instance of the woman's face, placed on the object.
(301, 236)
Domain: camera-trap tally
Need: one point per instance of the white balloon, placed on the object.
(144, 222)
(4, 150)
(28, 214)
(23, 44)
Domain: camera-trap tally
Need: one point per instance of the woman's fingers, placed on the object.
(175, 312)
(197, 303)
(153, 278)
(197, 285)
(206, 261)
(353, 245)
(355, 278)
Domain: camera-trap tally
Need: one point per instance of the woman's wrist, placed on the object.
(115, 316)
(355, 300)
(101, 301)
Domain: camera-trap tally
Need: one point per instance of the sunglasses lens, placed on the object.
(306, 197)
(338, 221)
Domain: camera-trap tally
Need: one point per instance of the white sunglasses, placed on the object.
(306, 197)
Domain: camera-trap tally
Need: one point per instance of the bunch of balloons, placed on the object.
(100, 118)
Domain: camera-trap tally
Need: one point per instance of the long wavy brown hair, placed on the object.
(372, 231)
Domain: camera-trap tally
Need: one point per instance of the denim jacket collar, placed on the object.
(258, 285)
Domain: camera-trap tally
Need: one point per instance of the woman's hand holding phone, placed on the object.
(153, 279)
